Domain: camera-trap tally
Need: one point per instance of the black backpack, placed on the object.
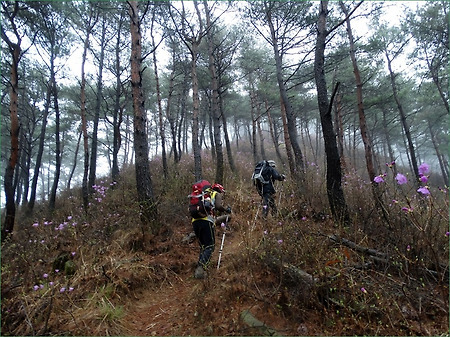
(258, 173)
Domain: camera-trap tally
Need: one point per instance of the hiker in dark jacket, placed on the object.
(267, 191)
(204, 230)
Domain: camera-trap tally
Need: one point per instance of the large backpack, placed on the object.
(200, 203)
(258, 173)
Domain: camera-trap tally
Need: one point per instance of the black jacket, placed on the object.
(269, 174)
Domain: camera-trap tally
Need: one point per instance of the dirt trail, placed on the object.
(171, 309)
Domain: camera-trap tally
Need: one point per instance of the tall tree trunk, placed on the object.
(368, 152)
(340, 130)
(256, 158)
(335, 193)
(443, 166)
(40, 152)
(57, 172)
(404, 122)
(98, 101)
(15, 51)
(171, 118)
(287, 140)
(75, 161)
(298, 170)
(162, 131)
(261, 137)
(84, 184)
(273, 131)
(215, 108)
(118, 109)
(226, 136)
(143, 177)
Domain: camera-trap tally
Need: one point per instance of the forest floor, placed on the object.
(180, 305)
(183, 305)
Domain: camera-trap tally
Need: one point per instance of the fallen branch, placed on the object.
(378, 256)
(292, 271)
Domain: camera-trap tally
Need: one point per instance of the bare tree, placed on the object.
(142, 166)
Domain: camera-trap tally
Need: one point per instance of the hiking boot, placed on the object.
(199, 273)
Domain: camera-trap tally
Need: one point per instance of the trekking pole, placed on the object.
(223, 240)
(281, 192)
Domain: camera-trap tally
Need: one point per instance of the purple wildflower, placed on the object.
(424, 169)
(378, 179)
(424, 190)
(401, 179)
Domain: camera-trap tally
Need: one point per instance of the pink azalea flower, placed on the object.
(423, 179)
(424, 169)
(424, 190)
(401, 179)
(378, 179)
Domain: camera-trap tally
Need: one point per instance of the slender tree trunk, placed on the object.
(287, 140)
(98, 100)
(335, 193)
(256, 158)
(215, 108)
(273, 132)
(8, 225)
(340, 129)
(171, 119)
(118, 109)
(143, 177)
(443, 166)
(261, 136)
(226, 136)
(75, 161)
(84, 184)
(404, 122)
(298, 171)
(368, 149)
(57, 172)
(162, 131)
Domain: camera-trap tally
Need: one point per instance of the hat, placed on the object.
(219, 188)
(271, 163)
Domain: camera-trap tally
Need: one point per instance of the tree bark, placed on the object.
(84, 184)
(118, 108)
(297, 171)
(215, 108)
(404, 122)
(98, 100)
(57, 171)
(368, 149)
(162, 131)
(15, 51)
(142, 167)
(335, 193)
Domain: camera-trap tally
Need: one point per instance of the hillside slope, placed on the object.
(299, 273)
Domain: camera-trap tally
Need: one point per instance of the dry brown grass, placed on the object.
(124, 273)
